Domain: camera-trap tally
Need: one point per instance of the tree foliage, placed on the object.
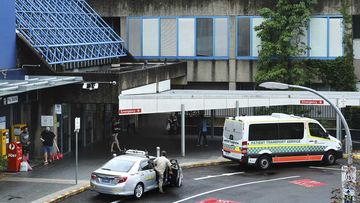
(281, 33)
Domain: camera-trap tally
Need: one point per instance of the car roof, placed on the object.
(131, 157)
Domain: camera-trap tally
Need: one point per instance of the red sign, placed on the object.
(308, 183)
(311, 101)
(129, 111)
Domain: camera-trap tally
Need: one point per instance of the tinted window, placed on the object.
(291, 131)
(356, 26)
(204, 36)
(316, 130)
(243, 46)
(263, 131)
(145, 166)
(118, 165)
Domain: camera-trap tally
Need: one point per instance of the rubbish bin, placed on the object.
(14, 152)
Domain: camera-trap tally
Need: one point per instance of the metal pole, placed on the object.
(338, 123)
(76, 156)
(182, 130)
(157, 151)
(237, 108)
(212, 123)
(347, 130)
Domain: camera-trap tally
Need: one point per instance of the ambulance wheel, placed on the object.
(329, 158)
(264, 162)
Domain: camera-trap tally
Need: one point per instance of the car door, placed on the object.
(148, 174)
(318, 139)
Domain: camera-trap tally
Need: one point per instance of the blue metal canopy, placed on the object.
(64, 31)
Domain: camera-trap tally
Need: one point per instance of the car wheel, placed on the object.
(264, 162)
(329, 158)
(138, 191)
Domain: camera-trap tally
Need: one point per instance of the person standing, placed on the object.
(202, 132)
(25, 143)
(47, 138)
(115, 141)
(161, 164)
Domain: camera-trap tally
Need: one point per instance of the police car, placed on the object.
(131, 174)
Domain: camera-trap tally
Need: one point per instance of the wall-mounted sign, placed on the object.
(129, 111)
(12, 99)
(58, 108)
(312, 101)
(47, 121)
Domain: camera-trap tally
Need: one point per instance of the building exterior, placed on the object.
(216, 37)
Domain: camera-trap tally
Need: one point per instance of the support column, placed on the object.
(212, 123)
(237, 108)
(183, 130)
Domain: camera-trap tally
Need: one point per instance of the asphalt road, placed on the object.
(241, 184)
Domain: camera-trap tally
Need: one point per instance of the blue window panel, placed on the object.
(318, 37)
(186, 34)
(256, 41)
(66, 31)
(335, 37)
(150, 36)
(168, 31)
(134, 36)
(221, 36)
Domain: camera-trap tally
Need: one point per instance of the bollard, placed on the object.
(157, 151)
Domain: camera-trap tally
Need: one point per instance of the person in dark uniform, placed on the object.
(47, 138)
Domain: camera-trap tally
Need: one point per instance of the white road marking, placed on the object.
(233, 186)
(325, 168)
(214, 176)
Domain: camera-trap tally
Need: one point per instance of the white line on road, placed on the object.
(214, 176)
(325, 168)
(233, 186)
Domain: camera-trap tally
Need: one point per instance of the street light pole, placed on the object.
(276, 85)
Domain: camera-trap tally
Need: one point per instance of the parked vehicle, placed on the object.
(131, 174)
(278, 138)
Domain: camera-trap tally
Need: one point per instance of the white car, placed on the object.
(131, 174)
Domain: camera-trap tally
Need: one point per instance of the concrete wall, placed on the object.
(232, 71)
(7, 34)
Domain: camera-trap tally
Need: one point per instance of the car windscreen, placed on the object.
(118, 165)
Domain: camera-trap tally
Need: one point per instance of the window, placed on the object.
(118, 165)
(316, 130)
(289, 131)
(263, 131)
(145, 165)
(204, 36)
(178, 37)
(356, 26)
(324, 37)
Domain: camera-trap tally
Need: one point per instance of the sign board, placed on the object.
(77, 123)
(47, 121)
(129, 111)
(312, 101)
(2, 122)
(348, 182)
(12, 100)
(58, 108)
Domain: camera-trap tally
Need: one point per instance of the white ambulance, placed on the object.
(278, 138)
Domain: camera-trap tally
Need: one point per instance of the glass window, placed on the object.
(150, 36)
(291, 131)
(186, 31)
(316, 130)
(204, 36)
(335, 37)
(356, 26)
(256, 41)
(263, 132)
(318, 37)
(134, 36)
(168, 37)
(243, 38)
(221, 36)
(118, 165)
(145, 165)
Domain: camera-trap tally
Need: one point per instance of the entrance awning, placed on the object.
(171, 101)
(10, 87)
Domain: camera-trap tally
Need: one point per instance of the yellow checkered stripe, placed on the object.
(287, 149)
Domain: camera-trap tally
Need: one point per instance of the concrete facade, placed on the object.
(231, 71)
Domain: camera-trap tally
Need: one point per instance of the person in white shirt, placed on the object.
(161, 163)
